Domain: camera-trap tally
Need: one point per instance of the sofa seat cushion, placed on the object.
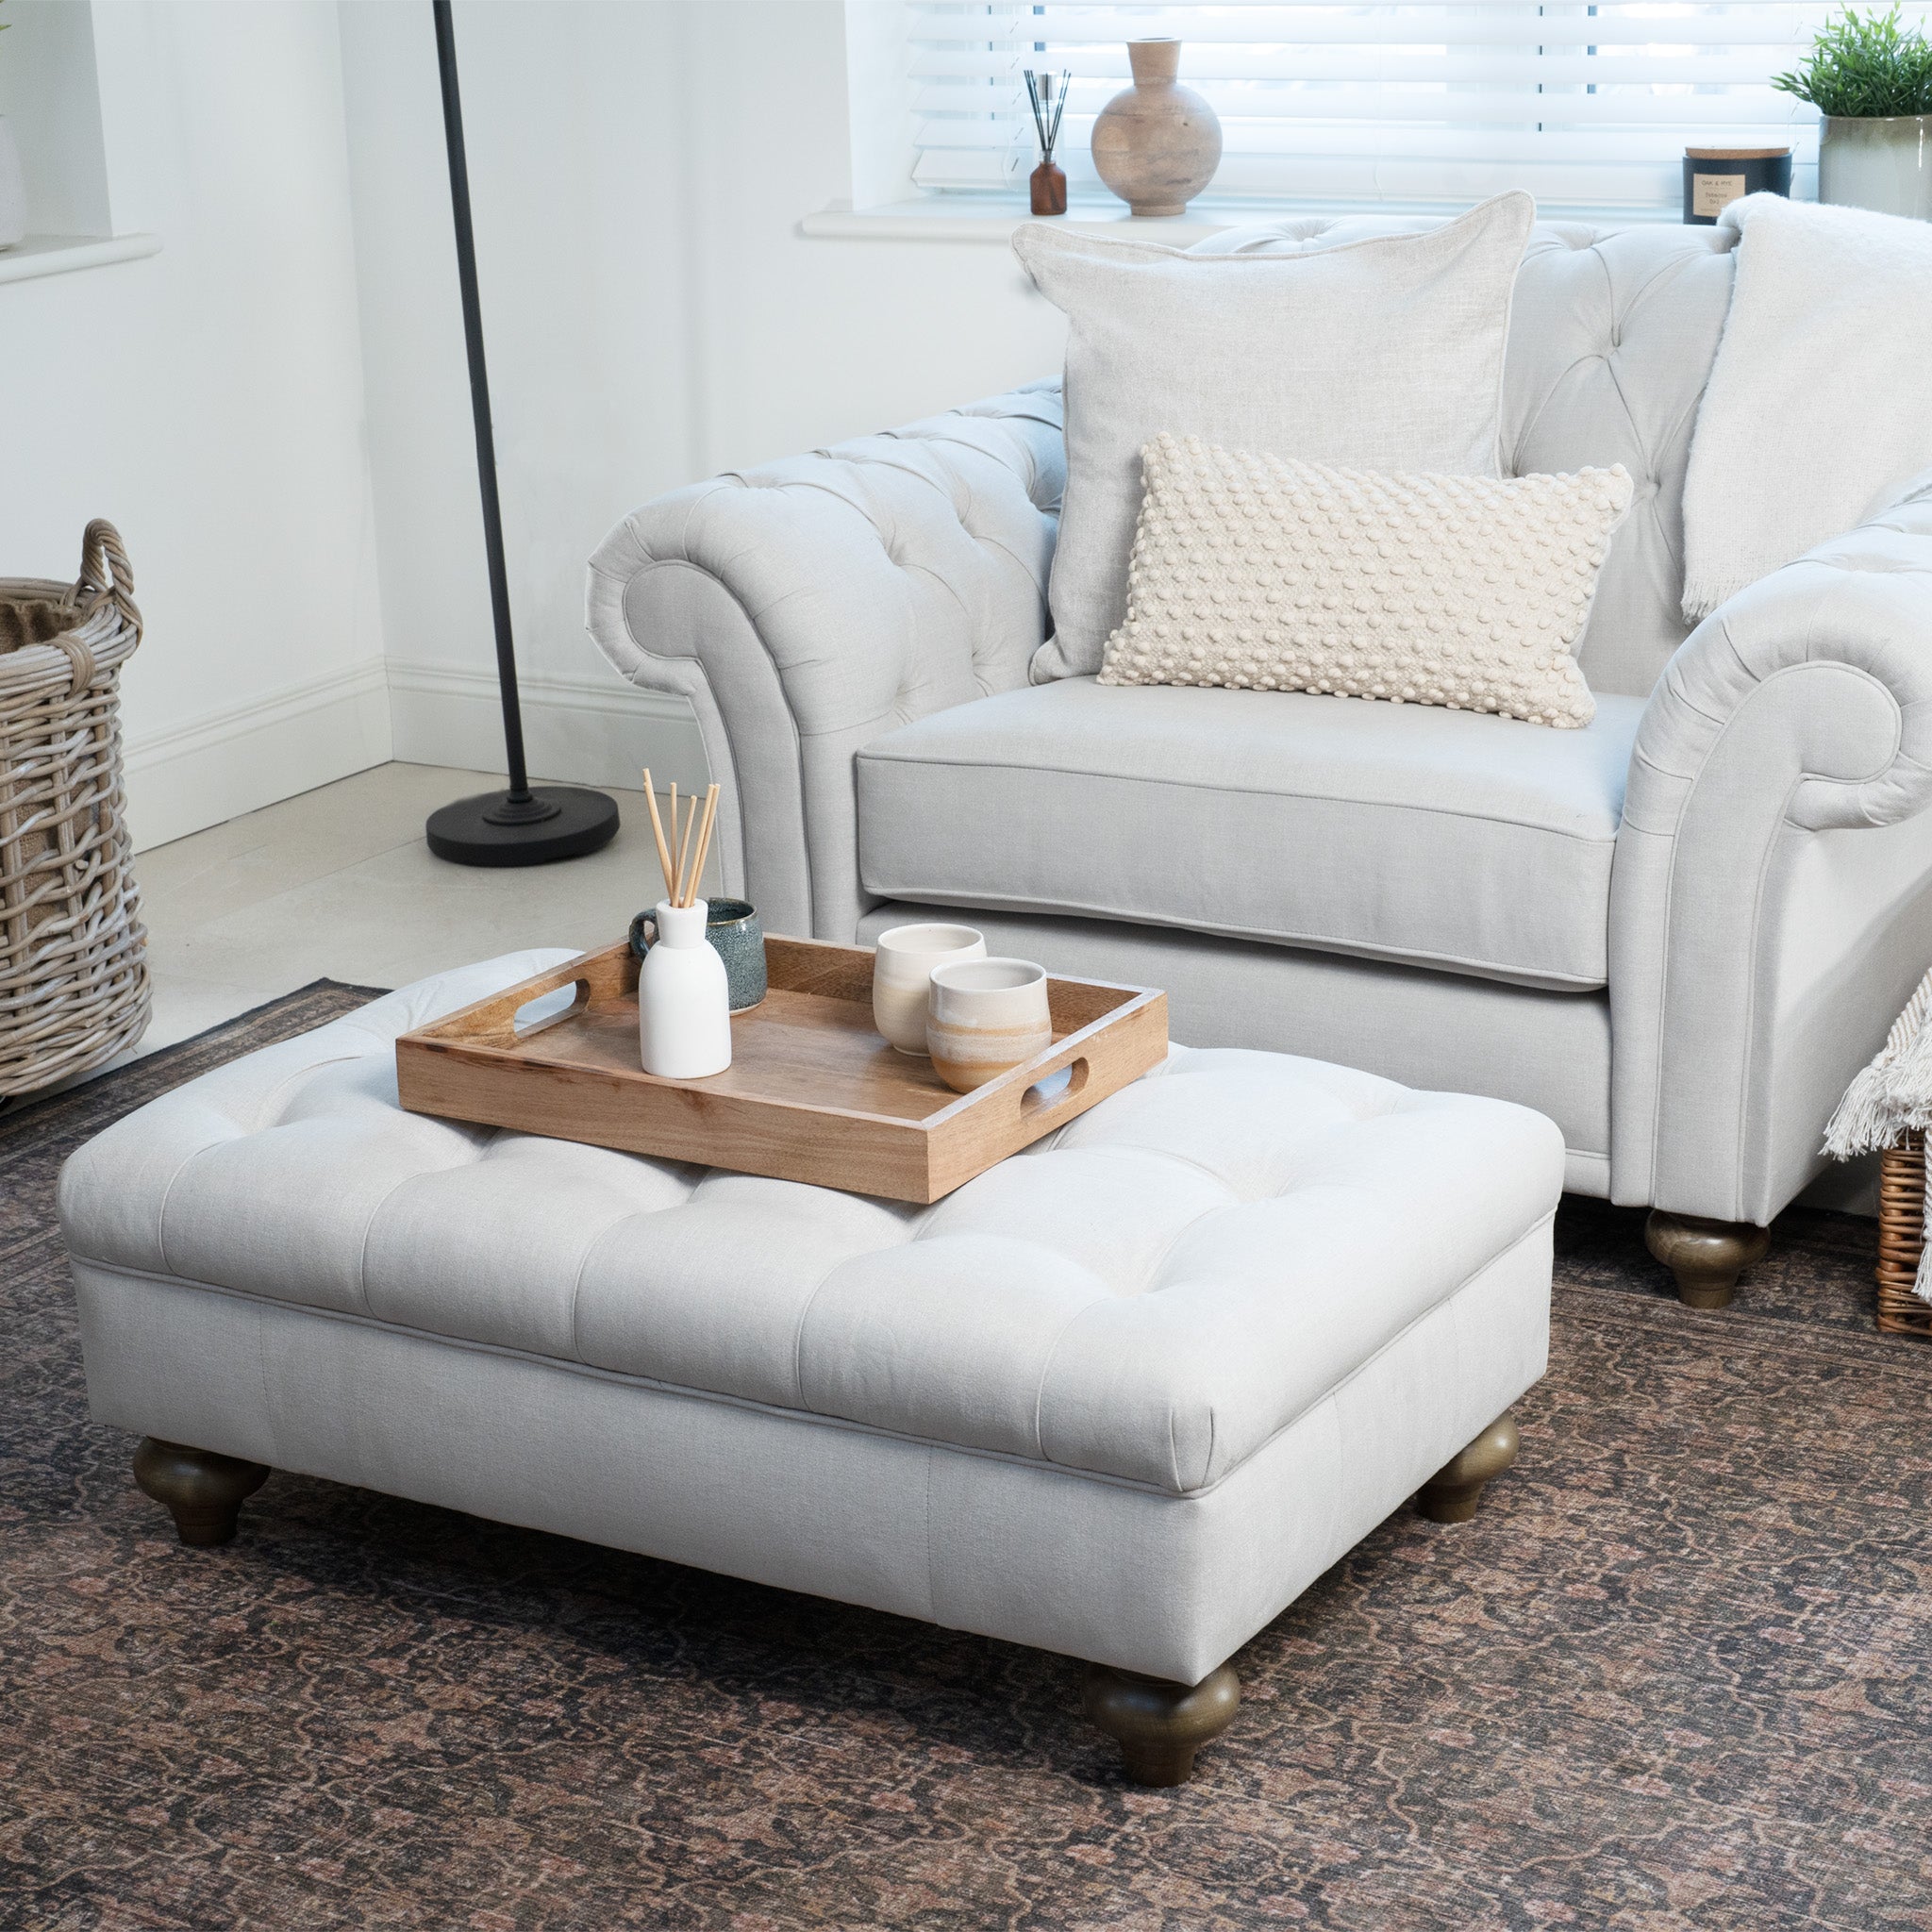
(1473, 843)
(1152, 1294)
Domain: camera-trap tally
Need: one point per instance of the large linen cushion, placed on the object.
(1385, 354)
(1272, 575)
(1613, 332)
(1818, 409)
(1150, 1295)
(1442, 839)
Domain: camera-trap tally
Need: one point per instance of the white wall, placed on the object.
(210, 400)
(274, 408)
(653, 316)
(570, 118)
(805, 341)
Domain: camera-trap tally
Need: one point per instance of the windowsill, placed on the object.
(994, 217)
(56, 255)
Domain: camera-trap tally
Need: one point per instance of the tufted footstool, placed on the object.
(1123, 1396)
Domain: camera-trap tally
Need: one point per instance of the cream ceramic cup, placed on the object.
(987, 1017)
(902, 976)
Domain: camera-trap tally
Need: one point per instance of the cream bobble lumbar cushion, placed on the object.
(1268, 573)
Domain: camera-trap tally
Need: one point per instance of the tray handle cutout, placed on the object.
(519, 1013)
(1055, 1089)
(547, 1009)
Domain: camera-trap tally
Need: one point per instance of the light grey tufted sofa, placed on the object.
(1677, 932)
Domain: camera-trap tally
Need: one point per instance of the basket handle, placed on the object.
(105, 574)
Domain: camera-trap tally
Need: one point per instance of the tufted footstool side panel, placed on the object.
(1112, 1572)
(1172, 1585)
(746, 1491)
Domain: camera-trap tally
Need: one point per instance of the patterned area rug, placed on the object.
(1678, 1674)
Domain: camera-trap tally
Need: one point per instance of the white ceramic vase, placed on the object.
(13, 188)
(684, 999)
(1884, 163)
(902, 966)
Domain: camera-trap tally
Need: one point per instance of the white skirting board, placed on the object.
(231, 762)
(580, 730)
(587, 731)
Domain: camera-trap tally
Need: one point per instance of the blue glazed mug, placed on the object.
(732, 927)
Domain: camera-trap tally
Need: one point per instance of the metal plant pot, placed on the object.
(12, 188)
(1884, 163)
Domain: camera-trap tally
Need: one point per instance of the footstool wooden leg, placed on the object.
(1452, 1493)
(1160, 1725)
(203, 1491)
(1704, 1257)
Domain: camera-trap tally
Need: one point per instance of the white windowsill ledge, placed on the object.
(994, 217)
(55, 254)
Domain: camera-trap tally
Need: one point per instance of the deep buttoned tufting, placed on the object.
(836, 595)
(1152, 1294)
(807, 606)
(1612, 334)
(1123, 1396)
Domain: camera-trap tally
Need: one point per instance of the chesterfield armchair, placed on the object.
(1677, 932)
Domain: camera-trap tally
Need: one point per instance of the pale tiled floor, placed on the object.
(338, 884)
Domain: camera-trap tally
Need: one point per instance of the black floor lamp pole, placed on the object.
(520, 827)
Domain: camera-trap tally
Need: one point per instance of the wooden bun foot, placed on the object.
(1451, 1495)
(1160, 1725)
(1704, 1257)
(201, 1490)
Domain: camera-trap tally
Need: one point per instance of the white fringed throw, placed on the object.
(1889, 1098)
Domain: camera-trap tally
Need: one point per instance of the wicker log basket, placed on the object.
(1902, 1237)
(73, 983)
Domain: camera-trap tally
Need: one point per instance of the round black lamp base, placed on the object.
(556, 822)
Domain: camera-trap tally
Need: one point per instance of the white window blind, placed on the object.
(1588, 106)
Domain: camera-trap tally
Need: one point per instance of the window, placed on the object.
(1587, 106)
(49, 91)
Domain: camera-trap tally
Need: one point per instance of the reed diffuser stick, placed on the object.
(658, 831)
(1048, 105)
(681, 897)
(703, 846)
(691, 884)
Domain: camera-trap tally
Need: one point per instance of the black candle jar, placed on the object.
(1716, 176)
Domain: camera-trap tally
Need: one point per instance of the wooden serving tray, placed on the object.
(812, 1093)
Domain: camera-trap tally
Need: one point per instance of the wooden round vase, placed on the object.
(1158, 143)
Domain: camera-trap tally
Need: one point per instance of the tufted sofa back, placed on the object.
(1611, 338)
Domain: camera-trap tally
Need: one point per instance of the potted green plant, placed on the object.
(1871, 79)
(12, 188)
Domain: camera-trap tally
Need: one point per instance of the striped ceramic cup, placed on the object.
(986, 1017)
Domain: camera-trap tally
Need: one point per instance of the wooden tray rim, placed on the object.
(434, 1037)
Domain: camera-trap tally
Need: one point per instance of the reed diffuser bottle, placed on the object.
(684, 995)
(1047, 95)
(684, 1002)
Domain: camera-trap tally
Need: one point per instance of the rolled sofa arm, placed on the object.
(807, 605)
(1771, 900)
